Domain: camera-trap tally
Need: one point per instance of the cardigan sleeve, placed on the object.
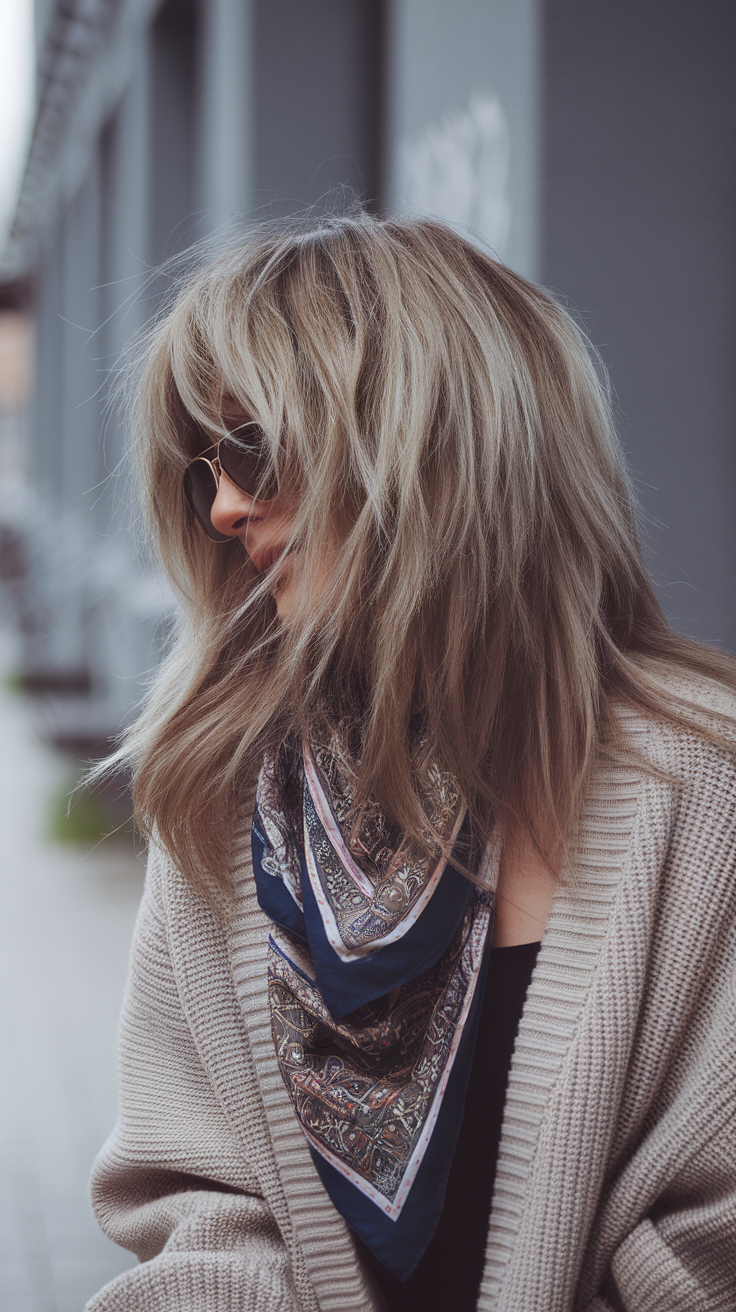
(173, 1184)
(654, 1272)
(681, 1257)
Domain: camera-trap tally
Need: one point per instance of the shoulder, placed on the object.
(714, 702)
(192, 924)
(685, 762)
(665, 796)
(694, 731)
(167, 885)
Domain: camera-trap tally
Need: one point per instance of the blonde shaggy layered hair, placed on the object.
(443, 419)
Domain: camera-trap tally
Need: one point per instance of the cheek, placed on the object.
(292, 584)
(286, 589)
(284, 508)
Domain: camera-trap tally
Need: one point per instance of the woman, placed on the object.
(422, 715)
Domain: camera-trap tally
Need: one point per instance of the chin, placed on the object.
(286, 601)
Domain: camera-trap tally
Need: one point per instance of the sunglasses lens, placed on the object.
(248, 464)
(200, 487)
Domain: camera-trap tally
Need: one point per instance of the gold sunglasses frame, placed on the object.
(215, 465)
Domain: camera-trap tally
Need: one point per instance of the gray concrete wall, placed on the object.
(442, 58)
(173, 90)
(45, 456)
(640, 233)
(226, 104)
(125, 161)
(317, 93)
(42, 15)
(83, 375)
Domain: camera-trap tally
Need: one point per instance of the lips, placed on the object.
(267, 557)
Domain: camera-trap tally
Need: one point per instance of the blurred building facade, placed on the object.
(592, 146)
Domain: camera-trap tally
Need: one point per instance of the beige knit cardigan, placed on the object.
(616, 1182)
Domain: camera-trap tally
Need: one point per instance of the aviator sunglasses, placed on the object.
(247, 463)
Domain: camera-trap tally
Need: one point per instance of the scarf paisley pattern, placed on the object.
(375, 974)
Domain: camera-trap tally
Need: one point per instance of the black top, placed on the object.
(450, 1271)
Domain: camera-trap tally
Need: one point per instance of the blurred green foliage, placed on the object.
(14, 682)
(80, 816)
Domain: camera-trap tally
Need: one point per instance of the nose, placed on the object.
(231, 509)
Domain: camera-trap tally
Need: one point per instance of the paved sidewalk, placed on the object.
(65, 924)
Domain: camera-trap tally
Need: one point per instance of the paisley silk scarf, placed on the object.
(375, 977)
